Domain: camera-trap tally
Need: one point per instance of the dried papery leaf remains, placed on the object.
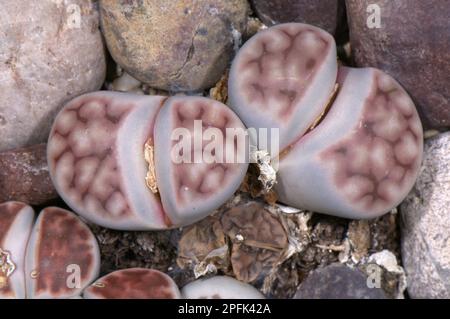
(220, 91)
(204, 247)
(258, 240)
(150, 178)
(7, 267)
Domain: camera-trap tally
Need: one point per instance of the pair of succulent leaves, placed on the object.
(360, 161)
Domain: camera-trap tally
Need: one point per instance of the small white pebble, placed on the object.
(125, 83)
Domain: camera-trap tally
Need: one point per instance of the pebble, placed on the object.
(125, 83)
(24, 176)
(412, 44)
(50, 52)
(173, 45)
(426, 223)
(337, 281)
(325, 14)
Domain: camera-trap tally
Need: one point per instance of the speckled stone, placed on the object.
(337, 281)
(412, 45)
(46, 59)
(24, 176)
(173, 45)
(426, 224)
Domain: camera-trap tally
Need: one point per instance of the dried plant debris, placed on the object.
(359, 240)
(254, 25)
(386, 234)
(251, 224)
(247, 241)
(204, 247)
(259, 185)
(274, 248)
(258, 240)
(220, 91)
(150, 179)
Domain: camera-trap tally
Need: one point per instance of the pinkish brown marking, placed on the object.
(8, 213)
(85, 134)
(283, 74)
(383, 150)
(63, 240)
(201, 179)
(134, 284)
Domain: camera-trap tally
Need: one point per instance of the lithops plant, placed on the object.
(220, 287)
(62, 255)
(55, 257)
(16, 222)
(365, 155)
(357, 157)
(133, 283)
(116, 159)
(282, 77)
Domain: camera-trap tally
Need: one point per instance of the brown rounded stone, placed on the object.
(412, 44)
(24, 176)
(324, 14)
(173, 45)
